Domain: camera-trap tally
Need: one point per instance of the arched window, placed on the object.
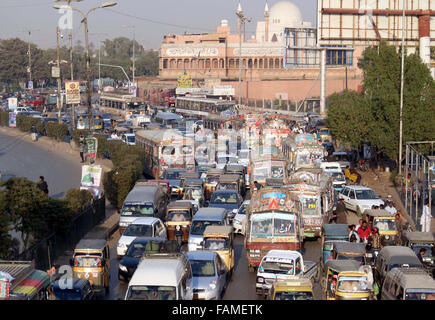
(231, 63)
(215, 63)
(260, 63)
(221, 63)
(186, 64)
(244, 63)
(207, 63)
(179, 62)
(277, 64)
(201, 64)
(255, 64)
(250, 63)
(270, 63)
(173, 64)
(237, 63)
(266, 65)
(165, 63)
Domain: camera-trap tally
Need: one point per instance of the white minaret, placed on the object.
(266, 23)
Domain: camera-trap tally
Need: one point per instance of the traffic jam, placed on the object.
(270, 184)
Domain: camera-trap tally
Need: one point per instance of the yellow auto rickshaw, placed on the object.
(211, 181)
(344, 281)
(91, 261)
(220, 239)
(178, 219)
(386, 224)
(292, 289)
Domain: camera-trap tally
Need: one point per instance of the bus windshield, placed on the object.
(269, 225)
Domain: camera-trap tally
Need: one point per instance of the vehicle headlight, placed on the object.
(177, 227)
(212, 285)
(123, 224)
(123, 268)
(387, 237)
(235, 210)
(260, 279)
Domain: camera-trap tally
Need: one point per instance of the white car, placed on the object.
(23, 109)
(359, 198)
(141, 227)
(240, 218)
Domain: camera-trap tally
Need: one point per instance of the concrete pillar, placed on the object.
(263, 103)
(322, 81)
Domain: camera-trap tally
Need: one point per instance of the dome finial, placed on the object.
(266, 8)
(239, 7)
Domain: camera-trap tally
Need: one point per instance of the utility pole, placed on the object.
(59, 85)
(242, 21)
(401, 89)
(73, 114)
(30, 60)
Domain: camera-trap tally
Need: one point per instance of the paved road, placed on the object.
(19, 158)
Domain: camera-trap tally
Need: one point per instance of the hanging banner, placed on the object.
(12, 103)
(12, 119)
(72, 91)
(184, 81)
(91, 179)
(92, 144)
(133, 89)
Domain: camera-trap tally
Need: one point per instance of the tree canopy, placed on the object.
(119, 51)
(374, 115)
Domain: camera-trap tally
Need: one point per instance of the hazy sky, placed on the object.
(153, 19)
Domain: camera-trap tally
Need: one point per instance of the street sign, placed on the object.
(29, 84)
(12, 103)
(12, 119)
(72, 91)
(55, 72)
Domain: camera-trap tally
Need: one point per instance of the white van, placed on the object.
(161, 276)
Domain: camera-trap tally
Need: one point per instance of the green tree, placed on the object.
(374, 116)
(7, 244)
(32, 212)
(78, 200)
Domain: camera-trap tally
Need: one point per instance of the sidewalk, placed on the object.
(381, 184)
(101, 231)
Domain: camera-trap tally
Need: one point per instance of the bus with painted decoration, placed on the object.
(267, 166)
(165, 149)
(303, 151)
(273, 222)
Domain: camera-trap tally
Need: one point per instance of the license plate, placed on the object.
(369, 255)
(309, 234)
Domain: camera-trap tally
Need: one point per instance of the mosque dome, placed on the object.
(284, 14)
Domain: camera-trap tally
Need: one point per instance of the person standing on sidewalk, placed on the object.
(82, 144)
(42, 185)
(425, 219)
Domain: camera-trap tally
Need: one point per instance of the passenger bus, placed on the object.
(269, 166)
(303, 153)
(119, 104)
(165, 149)
(204, 107)
(273, 222)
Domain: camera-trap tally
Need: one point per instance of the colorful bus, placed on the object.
(165, 149)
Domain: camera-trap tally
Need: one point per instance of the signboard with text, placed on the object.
(91, 179)
(72, 91)
(185, 81)
(92, 144)
(12, 103)
(55, 72)
(12, 119)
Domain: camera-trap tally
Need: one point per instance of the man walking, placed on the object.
(42, 185)
(341, 212)
(82, 144)
(426, 218)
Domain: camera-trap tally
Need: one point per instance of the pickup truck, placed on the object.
(283, 265)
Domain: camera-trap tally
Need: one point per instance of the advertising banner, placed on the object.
(91, 179)
(185, 81)
(72, 91)
(133, 89)
(92, 144)
(12, 119)
(12, 103)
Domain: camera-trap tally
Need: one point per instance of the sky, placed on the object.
(152, 19)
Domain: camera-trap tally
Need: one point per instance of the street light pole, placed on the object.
(88, 58)
(242, 21)
(59, 84)
(401, 89)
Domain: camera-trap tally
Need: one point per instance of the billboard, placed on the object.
(185, 81)
(12, 119)
(72, 91)
(12, 103)
(91, 179)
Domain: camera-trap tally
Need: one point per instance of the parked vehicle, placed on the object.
(140, 227)
(394, 257)
(143, 201)
(220, 239)
(161, 276)
(209, 275)
(408, 284)
(91, 261)
(282, 265)
(344, 281)
(178, 220)
(291, 289)
(203, 218)
(81, 289)
(359, 198)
